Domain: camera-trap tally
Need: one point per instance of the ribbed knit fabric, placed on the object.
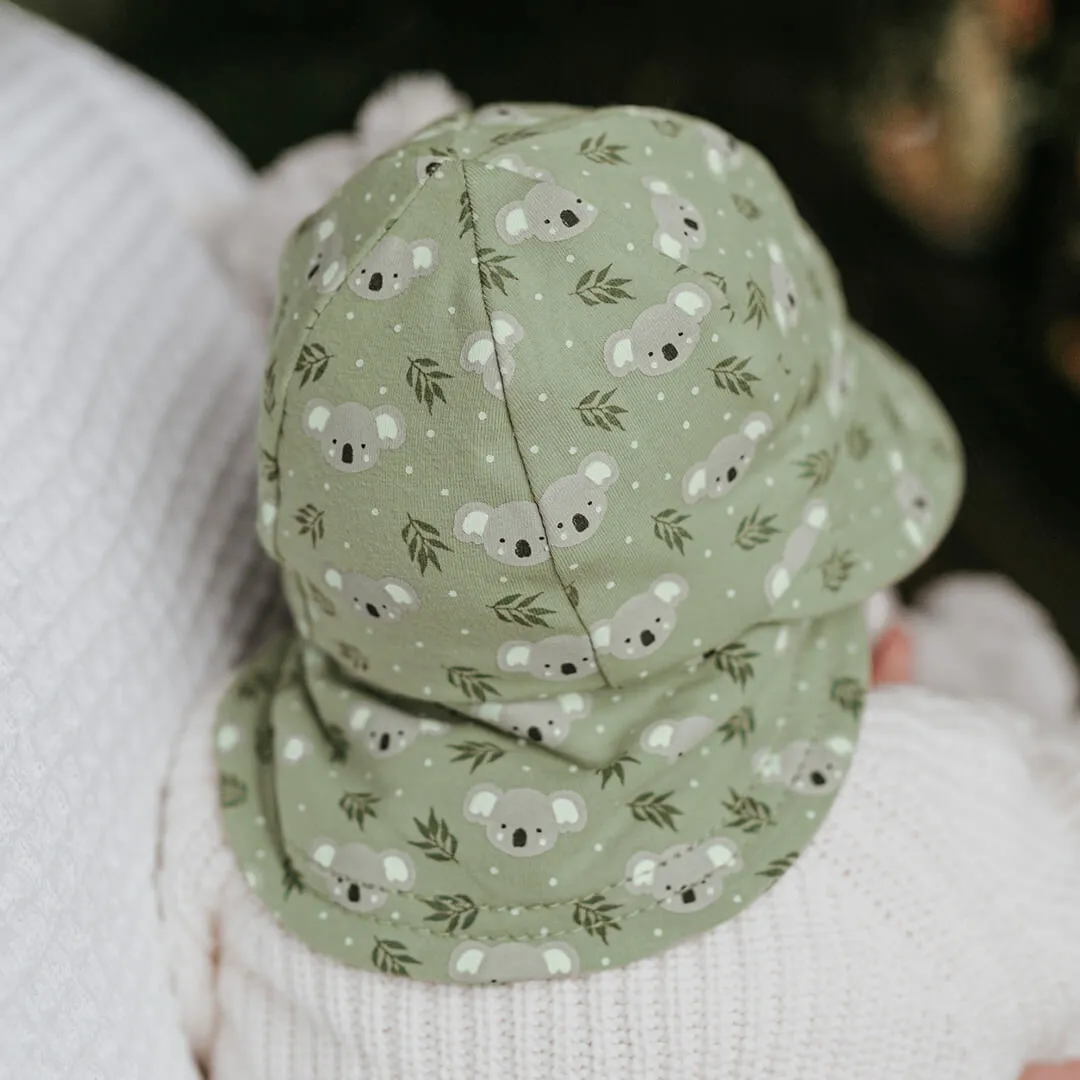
(129, 384)
(931, 931)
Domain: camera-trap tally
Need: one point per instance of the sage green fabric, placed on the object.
(578, 475)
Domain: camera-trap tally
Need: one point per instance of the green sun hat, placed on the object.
(579, 476)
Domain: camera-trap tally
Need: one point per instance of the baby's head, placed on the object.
(580, 477)
(589, 402)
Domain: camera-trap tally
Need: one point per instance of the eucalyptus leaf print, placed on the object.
(475, 685)
(616, 769)
(599, 151)
(425, 377)
(757, 307)
(452, 913)
(597, 411)
(436, 841)
(755, 529)
(521, 610)
(595, 287)
(747, 813)
(358, 806)
(477, 753)
(747, 207)
(312, 522)
(739, 726)
(730, 374)
(735, 661)
(424, 543)
(656, 809)
(312, 364)
(391, 958)
(818, 467)
(670, 527)
(837, 569)
(597, 916)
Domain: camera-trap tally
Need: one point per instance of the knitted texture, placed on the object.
(129, 390)
(931, 930)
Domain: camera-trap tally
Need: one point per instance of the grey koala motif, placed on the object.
(913, 498)
(728, 461)
(662, 337)
(352, 435)
(544, 721)
(644, 623)
(680, 228)
(326, 261)
(800, 544)
(391, 267)
(524, 822)
(563, 656)
(548, 212)
(573, 506)
(671, 739)
(685, 877)
(360, 878)
(490, 352)
(504, 113)
(722, 150)
(379, 601)
(387, 732)
(512, 961)
(513, 533)
(804, 767)
(785, 293)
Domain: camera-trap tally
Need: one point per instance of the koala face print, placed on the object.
(644, 623)
(351, 435)
(573, 506)
(391, 267)
(387, 732)
(383, 601)
(326, 261)
(548, 212)
(513, 533)
(800, 544)
(723, 151)
(561, 657)
(684, 878)
(524, 822)
(913, 498)
(785, 294)
(512, 961)
(804, 767)
(504, 114)
(680, 228)
(728, 462)
(544, 721)
(670, 739)
(360, 878)
(490, 352)
(662, 337)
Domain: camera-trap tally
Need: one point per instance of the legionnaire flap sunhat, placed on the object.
(578, 475)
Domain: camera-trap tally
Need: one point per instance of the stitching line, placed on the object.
(513, 430)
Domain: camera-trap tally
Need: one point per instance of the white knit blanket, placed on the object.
(129, 383)
(128, 576)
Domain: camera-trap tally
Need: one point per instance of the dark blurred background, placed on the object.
(821, 89)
